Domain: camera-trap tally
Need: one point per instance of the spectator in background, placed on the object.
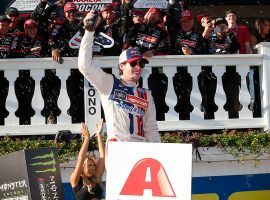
(111, 26)
(242, 32)
(5, 38)
(207, 24)
(86, 179)
(261, 33)
(17, 23)
(148, 37)
(222, 40)
(184, 40)
(138, 16)
(44, 17)
(29, 44)
(71, 26)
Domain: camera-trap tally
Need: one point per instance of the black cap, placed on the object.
(12, 10)
(229, 12)
(3, 18)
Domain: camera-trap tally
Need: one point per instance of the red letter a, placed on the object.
(136, 183)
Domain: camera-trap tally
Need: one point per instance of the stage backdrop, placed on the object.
(31, 174)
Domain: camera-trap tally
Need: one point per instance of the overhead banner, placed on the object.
(148, 171)
(87, 5)
(140, 4)
(31, 174)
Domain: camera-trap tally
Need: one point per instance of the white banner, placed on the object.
(148, 171)
(87, 5)
(25, 5)
(162, 4)
(92, 105)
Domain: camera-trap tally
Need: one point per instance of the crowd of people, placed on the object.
(55, 31)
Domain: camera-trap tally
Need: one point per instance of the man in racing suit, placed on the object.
(129, 110)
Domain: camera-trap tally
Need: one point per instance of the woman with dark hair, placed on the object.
(86, 179)
(261, 33)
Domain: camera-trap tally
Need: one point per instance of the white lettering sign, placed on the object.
(25, 5)
(162, 4)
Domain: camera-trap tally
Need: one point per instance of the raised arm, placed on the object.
(101, 149)
(89, 68)
(75, 176)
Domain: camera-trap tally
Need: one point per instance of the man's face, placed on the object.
(14, 20)
(31, 31)
(206, 21)
(137, 19)
(187, 25)
(154, 19)
(231, 18)
(132, 71)
(71, 15)
(4, 27)
(109, 16)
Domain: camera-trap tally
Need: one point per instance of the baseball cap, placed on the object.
(70, 6)
(154, 10)
(3, 18)
(138, 13)
(199, 17)
(229, 12)
(29, 23)
(131, 55)
(186, 14)
(12, 11)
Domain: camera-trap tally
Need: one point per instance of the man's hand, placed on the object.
(56, 55)
(36, 50)
(148, 54)
(186, 50)
(92, 14)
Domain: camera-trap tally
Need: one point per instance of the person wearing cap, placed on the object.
(184, 40)
(16, 24)
(149, 38)
(138, 16)
(6, 39)
(222, 40)
(129, 110)
(110, 25)
(29, 44)
(71, 25)
(207, 24)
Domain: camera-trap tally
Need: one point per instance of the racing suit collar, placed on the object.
(129, 84)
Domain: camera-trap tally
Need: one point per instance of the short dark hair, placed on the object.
(12, 10)
(229, 12)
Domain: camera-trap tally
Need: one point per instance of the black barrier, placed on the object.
(31, 174)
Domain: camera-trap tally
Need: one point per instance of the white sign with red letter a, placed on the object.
(148, 171)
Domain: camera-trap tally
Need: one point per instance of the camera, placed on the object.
(216, 29)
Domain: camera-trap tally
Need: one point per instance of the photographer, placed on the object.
(222, 40)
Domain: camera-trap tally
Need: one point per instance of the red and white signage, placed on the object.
(87, 5)
(148, 171)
